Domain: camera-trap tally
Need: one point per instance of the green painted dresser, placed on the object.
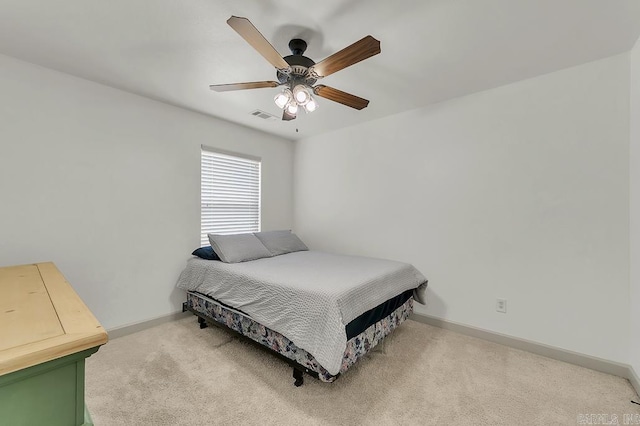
(46, 333)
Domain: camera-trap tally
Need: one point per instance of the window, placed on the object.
(229, 193)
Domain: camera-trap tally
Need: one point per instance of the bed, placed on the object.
(320, 312)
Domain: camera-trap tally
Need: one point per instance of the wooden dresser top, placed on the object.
(42, 318)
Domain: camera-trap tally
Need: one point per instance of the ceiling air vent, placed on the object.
(264, 115)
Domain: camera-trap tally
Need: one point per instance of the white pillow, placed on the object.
(238, 247)
(281, 242)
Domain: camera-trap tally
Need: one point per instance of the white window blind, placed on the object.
(230, 194)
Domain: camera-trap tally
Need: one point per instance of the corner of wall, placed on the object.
(634, 379)
(634, 211)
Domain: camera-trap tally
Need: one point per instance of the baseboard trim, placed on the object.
(125, 330)
(594, 363)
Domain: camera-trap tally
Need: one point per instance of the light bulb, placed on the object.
(292, 108)
(301, 94)
(283, 98)
(311, 105)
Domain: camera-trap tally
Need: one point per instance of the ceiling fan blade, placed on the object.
(243, 86)
(247, 31)
(339, 96)
(358, 51)
(286, 116)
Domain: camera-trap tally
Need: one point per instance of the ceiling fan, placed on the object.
(298, 73)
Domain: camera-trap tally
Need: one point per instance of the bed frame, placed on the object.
(210, 311)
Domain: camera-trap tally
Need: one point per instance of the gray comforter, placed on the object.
(307, 296)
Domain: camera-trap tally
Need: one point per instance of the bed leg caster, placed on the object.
(202, 322)
(298, 375)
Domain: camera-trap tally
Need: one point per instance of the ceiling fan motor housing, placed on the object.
(299, 64)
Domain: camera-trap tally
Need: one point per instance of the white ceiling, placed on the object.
(432, 50)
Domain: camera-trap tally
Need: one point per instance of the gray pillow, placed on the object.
(238, 247)
(281, 242)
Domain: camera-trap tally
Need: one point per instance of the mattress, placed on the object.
(308, 296)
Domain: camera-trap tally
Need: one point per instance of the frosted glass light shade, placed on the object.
(292, 108)
(301, 94)
(311, 105)
(283, 98)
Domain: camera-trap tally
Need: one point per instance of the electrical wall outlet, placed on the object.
(501, 305)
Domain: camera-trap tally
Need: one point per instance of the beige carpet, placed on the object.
(178, 374)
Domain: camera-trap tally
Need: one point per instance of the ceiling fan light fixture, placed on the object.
(301, 94)
(283, 98)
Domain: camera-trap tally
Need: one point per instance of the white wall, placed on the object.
(519, 192)
(107, 185)
(634, 158)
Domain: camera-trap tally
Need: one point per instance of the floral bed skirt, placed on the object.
(356, 348)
